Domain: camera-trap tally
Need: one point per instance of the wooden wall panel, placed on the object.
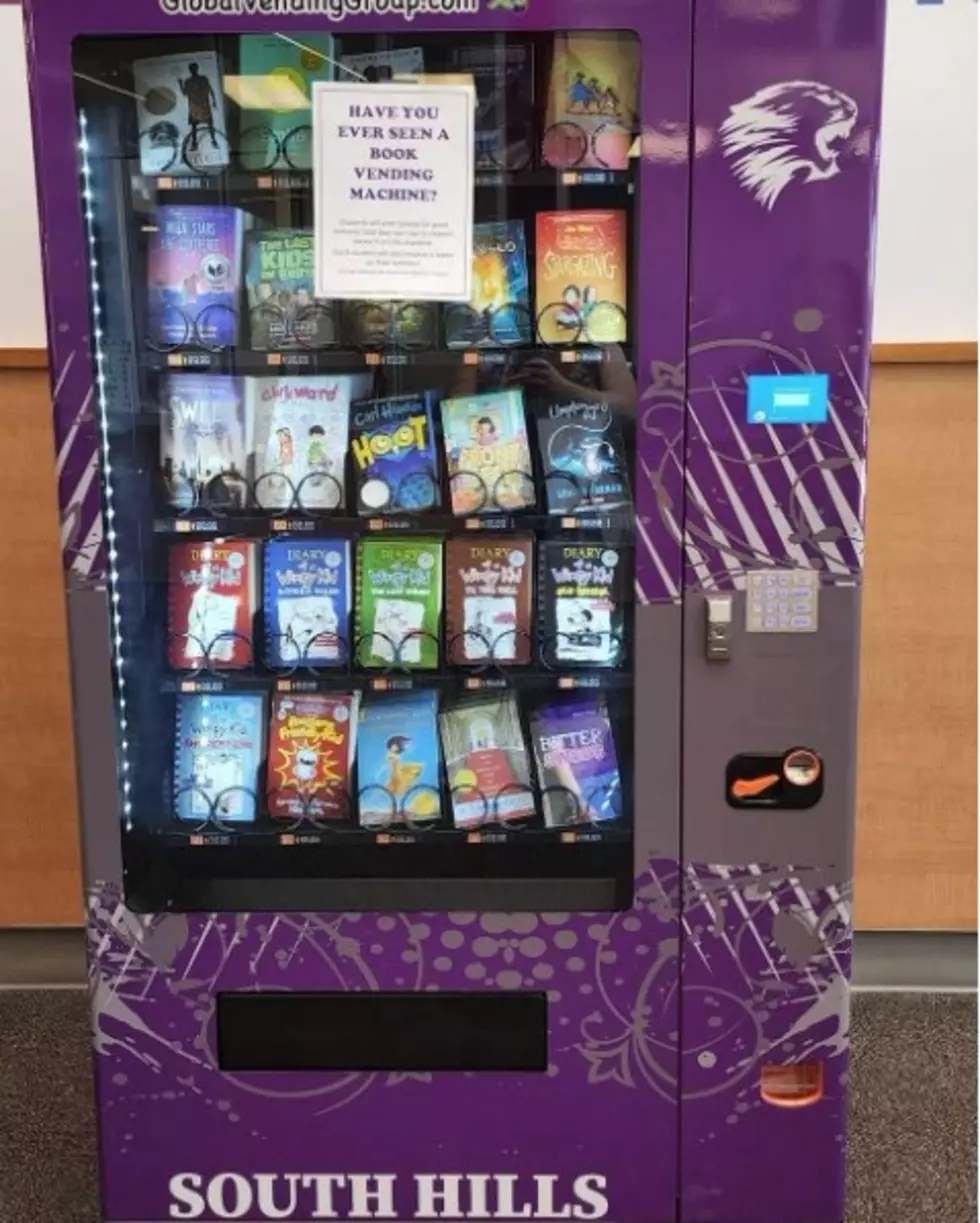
(916, 864)
(39, 858)
(917, 766)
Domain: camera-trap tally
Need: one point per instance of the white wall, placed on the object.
(927, 240)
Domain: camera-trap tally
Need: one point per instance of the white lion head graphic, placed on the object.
(785, 132)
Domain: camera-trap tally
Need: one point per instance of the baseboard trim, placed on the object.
(953, 353)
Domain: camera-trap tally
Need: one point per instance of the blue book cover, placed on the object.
(307, 602)
(398, 760)
(219, 750)
(393, 446)
(499, 307)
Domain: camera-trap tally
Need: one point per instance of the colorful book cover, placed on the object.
(580, 294)
(278, 74)
(576, 761)
(307, 600)
(499, 309)
(216, 762)
(376, 66)
(398, 760)
(212, 601)
(194, 276)
(583, 589)
(592, 100)
(299, 432)
(487, 453)
(486, 761)
(489, 584)
(204, 442)
(311, 756)
(399, 602)
(503, 75)
(393, 448)
(400, 324)
(583, 458)
(180, 109)
(282, 311)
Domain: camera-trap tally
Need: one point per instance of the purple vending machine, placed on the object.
(464, 669)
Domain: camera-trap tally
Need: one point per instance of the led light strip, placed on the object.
(110, 513)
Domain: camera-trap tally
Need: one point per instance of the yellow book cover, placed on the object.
(592, 100)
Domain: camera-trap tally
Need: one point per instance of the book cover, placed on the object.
(218, 751)
(279, 75)
(398, 760)
(376, 66)
(583, 589)
(194, 275)
(500, 290)
(311, 756)
(400, 324)
(180, 109)
(592, 100)
(487, 453)
(576, 762)
(394, 454)
(503, 75)
(580, 293)
(399, 602)
(212, 601)
(283, 313)
(486, 761)
(307, 601)
(583, 458)
(489, 584)
(204, 441)
(299, 432)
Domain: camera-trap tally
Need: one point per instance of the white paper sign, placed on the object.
(393, 182)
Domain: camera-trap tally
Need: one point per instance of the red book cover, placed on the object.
(212, 602)
(311, 747)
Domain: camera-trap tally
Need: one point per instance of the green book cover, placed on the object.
(277, 75)
(399, 602)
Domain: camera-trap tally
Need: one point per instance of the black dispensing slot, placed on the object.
(399, 1031)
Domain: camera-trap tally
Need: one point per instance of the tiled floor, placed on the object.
(913, 1132)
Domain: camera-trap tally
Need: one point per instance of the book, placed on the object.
(204, 441)
(582, 593)
(180, 109)
(489, 583)
(218, 752)
(398, 760)
(503, 75)
(580, 294)
(499, 310)
(283, 313)
(277, 75)
(399, 602)
(591, 111)
(576, 761)
(381, 324)
(307, 598)
(394, 455)
(194, 271)
(486, 761)
(583, 458)
(487, 453)
(312, 742)
(376, 66)
(299, 434)
(212, 598)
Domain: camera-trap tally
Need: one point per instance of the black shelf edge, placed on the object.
(587, 680)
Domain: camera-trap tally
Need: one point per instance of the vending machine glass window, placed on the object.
(371, 561)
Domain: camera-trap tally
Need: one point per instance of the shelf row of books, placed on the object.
(588, 117)
(197, 298)
(335, 759)
(278, 444)
(409, 603)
